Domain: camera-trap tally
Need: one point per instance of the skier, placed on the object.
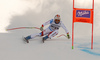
(51, 31)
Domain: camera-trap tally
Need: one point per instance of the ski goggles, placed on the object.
(57, 20)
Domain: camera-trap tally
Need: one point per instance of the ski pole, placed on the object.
(23, 28)
(61, 35)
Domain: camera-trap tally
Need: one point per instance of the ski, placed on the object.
(43, 40)
(27, 41)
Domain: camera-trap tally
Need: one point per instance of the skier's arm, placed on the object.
(46, 23)
(63, 26)
(67, 32)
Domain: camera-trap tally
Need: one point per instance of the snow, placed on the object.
(12, 47)
(20, 13)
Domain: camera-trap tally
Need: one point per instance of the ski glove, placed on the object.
(68, 36)
(41, 28)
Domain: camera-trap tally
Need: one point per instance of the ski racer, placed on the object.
(51, 31)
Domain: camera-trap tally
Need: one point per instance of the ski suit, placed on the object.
(52, 30)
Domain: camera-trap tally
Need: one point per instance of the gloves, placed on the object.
(41, 28)
(68, 36)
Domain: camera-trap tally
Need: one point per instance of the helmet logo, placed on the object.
(58, 15)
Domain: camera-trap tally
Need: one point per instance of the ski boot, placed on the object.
(45, 38)
(27, 39)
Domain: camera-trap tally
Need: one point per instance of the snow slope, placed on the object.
(12, 47)
(30, 13)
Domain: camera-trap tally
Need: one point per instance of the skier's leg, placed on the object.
(30, 37)
(35, 35)
(44, 32)
(51, 34)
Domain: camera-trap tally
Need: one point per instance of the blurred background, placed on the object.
(32, 13)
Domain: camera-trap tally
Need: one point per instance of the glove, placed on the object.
(68, 36)
(41, 28)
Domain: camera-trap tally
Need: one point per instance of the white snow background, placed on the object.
(32, 13)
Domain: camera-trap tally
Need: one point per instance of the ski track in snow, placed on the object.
(84, 48)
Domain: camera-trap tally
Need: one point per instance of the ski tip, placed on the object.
(25, 40)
